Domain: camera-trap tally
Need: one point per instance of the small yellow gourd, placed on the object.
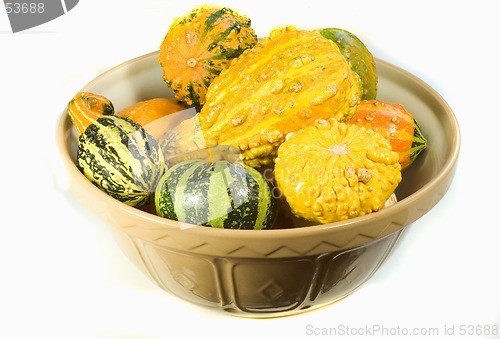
(333, 171)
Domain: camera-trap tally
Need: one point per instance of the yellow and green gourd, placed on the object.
(358, 55)
(115, 153)
(198, 46)
(86, 107)
(284, 83)
(120, 158)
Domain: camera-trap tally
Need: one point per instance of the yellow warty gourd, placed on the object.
(284, 83)
(333, 171)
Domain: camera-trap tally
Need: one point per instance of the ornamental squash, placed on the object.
(333, 171)
(85, 108)
(198, 46)
(396, 124)
(286, 82)
(358, 55)
(220, 194)
(120, 158)
(156, 115)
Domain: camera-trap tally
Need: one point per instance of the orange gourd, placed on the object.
(156, 115)
(85, 108)
(396, 124)
(198, 46)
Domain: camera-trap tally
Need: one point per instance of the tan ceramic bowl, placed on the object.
(272, 272)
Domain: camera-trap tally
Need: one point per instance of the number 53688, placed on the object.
(24, 7)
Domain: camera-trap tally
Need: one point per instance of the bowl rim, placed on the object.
(447, 169)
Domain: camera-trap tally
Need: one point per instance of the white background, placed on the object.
(62, 275)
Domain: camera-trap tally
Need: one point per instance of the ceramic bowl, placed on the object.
(272, 272)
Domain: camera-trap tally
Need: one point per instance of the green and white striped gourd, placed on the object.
(219, 194)
(121, 158)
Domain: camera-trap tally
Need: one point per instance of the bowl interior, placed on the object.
(423, 185)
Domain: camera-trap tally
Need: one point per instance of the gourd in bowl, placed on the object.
(285, 82)
(198, 46)
(223, 194)
(271, 272)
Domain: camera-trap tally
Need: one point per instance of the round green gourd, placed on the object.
(120, 158)
(358, 55)
(219, 194)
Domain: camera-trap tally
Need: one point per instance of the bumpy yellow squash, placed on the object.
(333, 171)
(286, 82)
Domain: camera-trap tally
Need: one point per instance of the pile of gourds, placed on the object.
(297, 108)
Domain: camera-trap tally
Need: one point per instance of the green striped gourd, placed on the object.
(361, 59)
(121, 158)
(219, 194)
